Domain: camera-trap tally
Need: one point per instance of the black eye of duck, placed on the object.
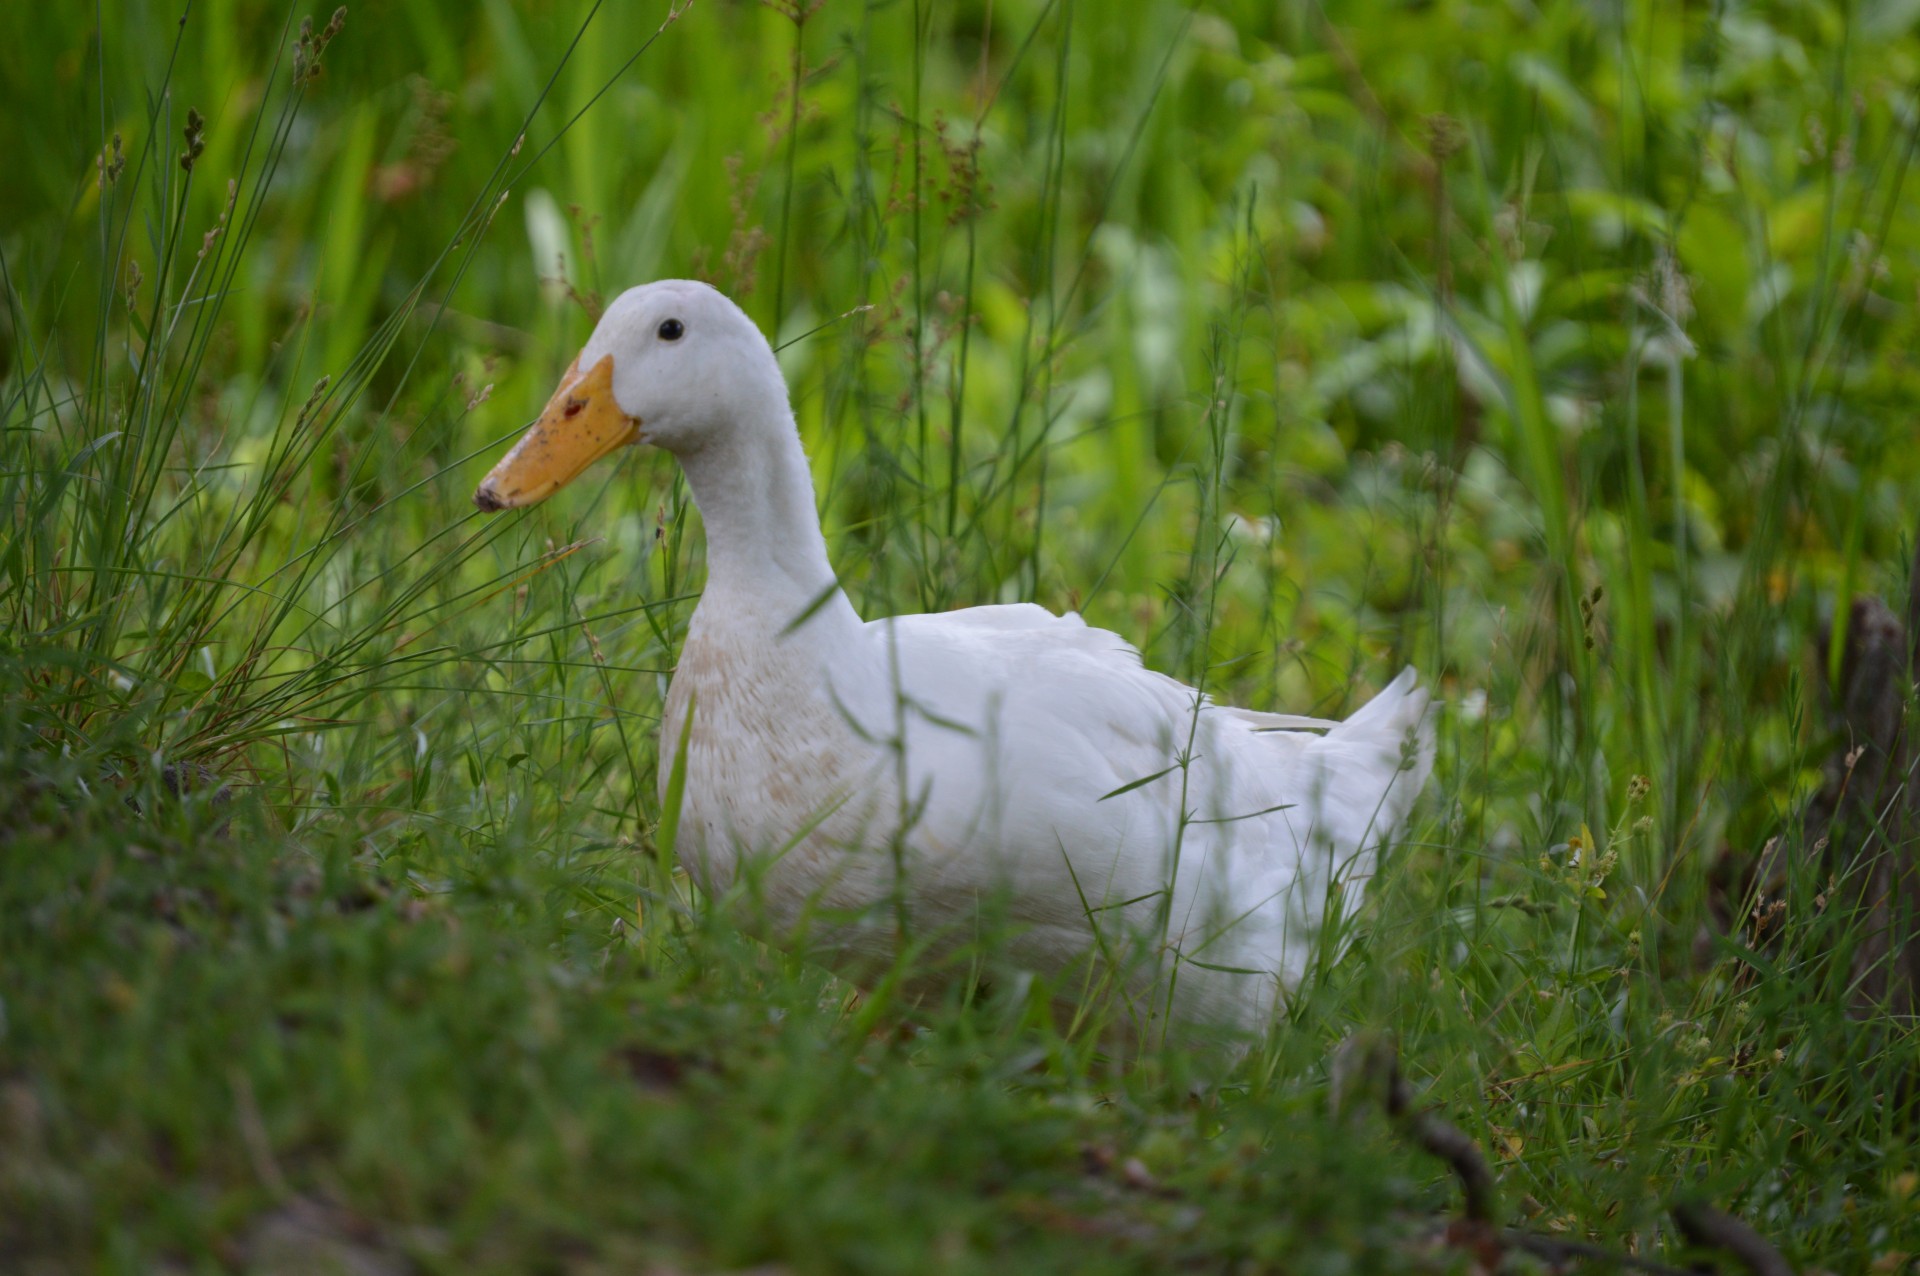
(672, 330)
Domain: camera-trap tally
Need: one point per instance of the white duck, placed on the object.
(926, 775)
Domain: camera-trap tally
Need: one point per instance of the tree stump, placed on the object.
(1863, 826)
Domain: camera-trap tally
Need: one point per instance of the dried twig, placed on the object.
(1441, 1138)
(1560, 1251)
(1369, 1063)
(1710, 1228)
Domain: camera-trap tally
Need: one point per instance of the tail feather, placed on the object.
(1389, 743)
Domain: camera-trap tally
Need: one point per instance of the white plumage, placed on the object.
(936, 773)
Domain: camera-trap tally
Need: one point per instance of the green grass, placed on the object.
(1565, 353)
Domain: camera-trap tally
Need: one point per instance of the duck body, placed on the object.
(989, 791)
(927, 778)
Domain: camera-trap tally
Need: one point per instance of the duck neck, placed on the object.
(766, 558)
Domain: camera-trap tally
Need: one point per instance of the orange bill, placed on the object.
(582, 423)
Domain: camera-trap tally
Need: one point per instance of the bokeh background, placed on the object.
(1565, 351)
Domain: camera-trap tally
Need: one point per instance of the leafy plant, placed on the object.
(1563, 352)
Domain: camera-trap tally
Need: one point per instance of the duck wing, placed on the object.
(1045, 762)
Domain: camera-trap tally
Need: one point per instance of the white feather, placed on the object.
(924, 771)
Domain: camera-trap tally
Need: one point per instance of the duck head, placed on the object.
(674, 364)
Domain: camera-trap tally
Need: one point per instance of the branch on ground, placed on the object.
(1367, 1065)
(1709, 1228)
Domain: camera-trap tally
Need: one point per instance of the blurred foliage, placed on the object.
(1564, 350)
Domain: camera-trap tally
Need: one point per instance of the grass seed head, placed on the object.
(1446, 137)
(196, 137)
(111, 161)
(312, 404)
(308, 49)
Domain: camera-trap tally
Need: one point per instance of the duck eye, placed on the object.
(672, 330)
